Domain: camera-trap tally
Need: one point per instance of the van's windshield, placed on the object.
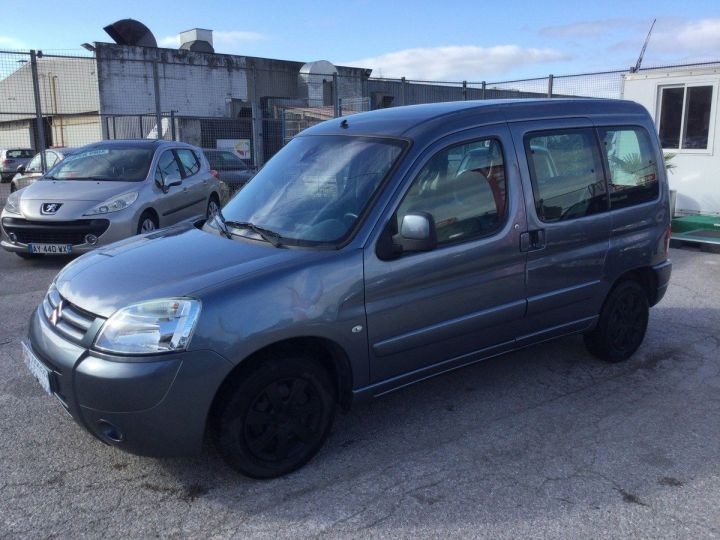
(312, 191)
(122, 164)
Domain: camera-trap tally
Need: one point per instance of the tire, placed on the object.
(275, 418)
(622, 325)
(147, 223)
(213, 206)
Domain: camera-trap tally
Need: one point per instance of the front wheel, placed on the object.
(622, 324)
(147, 223)
(213, 207)
(275, 418)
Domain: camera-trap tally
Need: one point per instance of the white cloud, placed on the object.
(225, 41)
(8, 42)
(591, 28)
(466, 62)
(702, 35)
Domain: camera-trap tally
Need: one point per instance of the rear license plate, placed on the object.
(50, 249)
(36, 368)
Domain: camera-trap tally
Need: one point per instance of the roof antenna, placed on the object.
(642, 52)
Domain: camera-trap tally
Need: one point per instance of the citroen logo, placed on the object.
(56, 313)
(50, 208)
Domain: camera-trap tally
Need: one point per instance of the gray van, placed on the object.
(367, 255)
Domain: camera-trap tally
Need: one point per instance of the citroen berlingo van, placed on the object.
(373, 251)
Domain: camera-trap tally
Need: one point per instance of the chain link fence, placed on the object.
(71, 99)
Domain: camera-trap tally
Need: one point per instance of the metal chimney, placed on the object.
(197, 40)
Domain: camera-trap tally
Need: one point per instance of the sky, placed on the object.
(445, 40)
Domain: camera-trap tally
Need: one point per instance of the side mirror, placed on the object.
(20, 169)
(417, 232)
(171, 181)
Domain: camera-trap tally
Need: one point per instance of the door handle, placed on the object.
(532, 240)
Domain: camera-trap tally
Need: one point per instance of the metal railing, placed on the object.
(73, 99)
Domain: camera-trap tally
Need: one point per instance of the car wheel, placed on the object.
(213, 207)
(147, 223)
(5, 179)
(622, 324)
(276, 417)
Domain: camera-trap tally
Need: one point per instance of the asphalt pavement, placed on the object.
(546, 442)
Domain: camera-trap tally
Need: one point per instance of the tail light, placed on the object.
(668, 233)
(8, 161)
(215, 173)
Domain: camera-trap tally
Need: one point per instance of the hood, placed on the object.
(178, 261)
(75, 196)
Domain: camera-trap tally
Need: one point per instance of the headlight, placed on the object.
(114, 204)
(156, 326)
(12, 204)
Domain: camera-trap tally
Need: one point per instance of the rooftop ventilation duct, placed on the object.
(131, 32)
(197, 40)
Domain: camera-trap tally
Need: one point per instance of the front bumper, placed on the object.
(153, 406)
(73, 232)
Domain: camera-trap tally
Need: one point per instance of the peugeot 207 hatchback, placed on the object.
(361, 259)
(108, 191)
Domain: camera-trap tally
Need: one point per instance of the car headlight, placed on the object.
(12, 204)
(157, 326)
(114, 204)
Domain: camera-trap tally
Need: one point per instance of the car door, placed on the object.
(195, 181)
(568, 224)
(465, 298)
(172, 202)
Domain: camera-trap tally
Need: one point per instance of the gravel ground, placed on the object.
(546, 442)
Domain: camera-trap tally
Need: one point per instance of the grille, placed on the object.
(69, 321)
(55, 232)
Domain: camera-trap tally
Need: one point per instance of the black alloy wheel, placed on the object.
(622, 325)
(273, 419)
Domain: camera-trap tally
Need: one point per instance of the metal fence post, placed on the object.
(172, 125)
(336, 95)
(340, 107)
(484, 85)
(283, 127)
(464, 90)
(40, 125)
(158, 111)
(550, 86)
(402, 90)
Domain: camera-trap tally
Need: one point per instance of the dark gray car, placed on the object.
(359, 260)
(231, 169)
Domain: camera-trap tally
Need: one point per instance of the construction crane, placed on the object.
(642, 51)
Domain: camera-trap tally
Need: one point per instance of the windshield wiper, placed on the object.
(269, 236)
(223, 224)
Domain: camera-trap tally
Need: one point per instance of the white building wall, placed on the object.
(696, 176)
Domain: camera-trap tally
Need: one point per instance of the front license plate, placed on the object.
(50, 249)
(38, 370)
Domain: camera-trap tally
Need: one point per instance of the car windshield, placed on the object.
(314, 189)
(120, 164)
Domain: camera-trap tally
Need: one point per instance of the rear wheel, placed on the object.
(147, 223)
(276, 418)
(623, 321)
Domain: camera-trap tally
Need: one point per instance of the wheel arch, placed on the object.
(645, 276)
(331, 356)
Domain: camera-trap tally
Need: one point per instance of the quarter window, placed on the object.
(566, 174)
(463, 187)
(190, 162)
(631, 165)
(167, 166)
(685, 117)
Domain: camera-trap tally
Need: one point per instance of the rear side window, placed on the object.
(632, 168)
(19, 154)
(167, 166)
(190, 162)
(566, 173)
(466, 201)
